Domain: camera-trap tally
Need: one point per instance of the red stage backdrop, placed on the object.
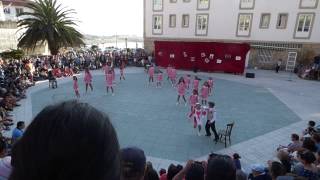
(205, 56)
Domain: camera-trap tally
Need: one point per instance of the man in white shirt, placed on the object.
(211, 121)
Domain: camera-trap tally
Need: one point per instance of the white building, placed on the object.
(275, 29)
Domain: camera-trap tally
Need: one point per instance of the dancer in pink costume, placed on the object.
(187, 79)
(107, 68)
(198, 115)
(75, 86)
(196, 82)
(88, 79)
(159, 79)
(210, 82)
(122, 67)
(181, 90)
(173, 76)
(151, 74)
(169, 72)
(204, 93)
(110, 82)
(193, 100)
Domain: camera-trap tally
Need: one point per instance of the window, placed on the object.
(19, 11)
(282, 21)
(185, 20)
(202, 24)
(157, 24)
(247, 4)
(265, 56)
(265, 21)
(244, 25)
(6, 10)
(304, 25)
(157, 5)
(172, 20)
(173, 1)
(309, 4)
(203, 4)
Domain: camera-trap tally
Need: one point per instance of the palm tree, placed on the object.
(48, 22)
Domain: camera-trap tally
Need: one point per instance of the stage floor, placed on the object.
(148, 118)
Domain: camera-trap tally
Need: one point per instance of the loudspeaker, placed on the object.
(250, 75)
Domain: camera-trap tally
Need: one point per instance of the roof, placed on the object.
(15, 2)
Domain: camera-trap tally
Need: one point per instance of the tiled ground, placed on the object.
(251, 103)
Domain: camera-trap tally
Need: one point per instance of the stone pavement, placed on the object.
(298, 95)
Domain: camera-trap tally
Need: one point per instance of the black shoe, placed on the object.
(208, 135)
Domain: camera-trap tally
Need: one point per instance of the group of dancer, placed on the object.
(109, 72)
(198, 111)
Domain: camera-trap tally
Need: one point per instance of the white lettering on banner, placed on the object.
(211, 56)
(172, 56)
(203, 55)
(238, 58)
(219, 61)
(207, 60)
(192, 59)
(185, 54)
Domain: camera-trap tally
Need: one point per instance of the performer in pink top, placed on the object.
(197, 118)
(110, 82)
(151, 74)
(196, 82)
(122, 71)
(181, 90)
(193, 100)
(173, 76)
(169, 72)
(210, 82)
(205, 93)
(75, 86)
(159, 79)
(88, 79)
(187, 79)
(107, 68)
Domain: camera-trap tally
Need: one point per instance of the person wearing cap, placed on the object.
(259, 173)
(133, 163)
(236, 160)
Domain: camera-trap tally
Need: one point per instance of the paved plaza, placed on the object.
(266, 110)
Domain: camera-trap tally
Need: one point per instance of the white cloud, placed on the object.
(108, 17)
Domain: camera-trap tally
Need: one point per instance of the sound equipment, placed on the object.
(250, 75)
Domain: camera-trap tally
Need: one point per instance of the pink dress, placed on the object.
(160, 77)
(204, 92)
(109, 79)
(173, 73)
(196, 84)
(169, 71)
(151, 71)
(210, 83)
(197, 117)
(181, 89)
(193, 100)
(87, 77)
(187, 80)
(75, 86)
(106, 69)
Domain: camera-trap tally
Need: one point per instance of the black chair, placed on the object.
(225, 134)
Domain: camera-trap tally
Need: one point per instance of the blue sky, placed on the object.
(108, 17)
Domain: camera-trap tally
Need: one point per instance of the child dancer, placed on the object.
(196, 82)
(193, 101)
(210, 82)
(205, 93)
(88, 79)
(110, 82)
(75, 86)
(173, 76)
(197, 118)
(181, 90)
(187, 79)
(122, 71)
(151, 73)
(159, 79)
(169, 68)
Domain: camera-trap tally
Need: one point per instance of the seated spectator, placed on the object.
(236, 160)
(316, 139)
(258, 172)
(173, 170)
(309, 144)
(276, 169)
(285, 160)
(310, 129)
(192, 171)
(306, 167)
(17, 132)
(163, 174)
(5, 162)
(150, 173)
(133, 163)
(294, 145)
(221, 167)
(69, 140)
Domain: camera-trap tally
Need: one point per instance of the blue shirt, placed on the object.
(16, 134)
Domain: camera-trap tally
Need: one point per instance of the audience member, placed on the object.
(294, 145)
(306, 167)
(69, 140)
(133, 163)
(258, 172)
(17, 132)
(221, 167)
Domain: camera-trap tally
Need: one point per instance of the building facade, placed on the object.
(9, 32)
(286, 29)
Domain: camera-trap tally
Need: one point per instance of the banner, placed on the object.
(204, 56)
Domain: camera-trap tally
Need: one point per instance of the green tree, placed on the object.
(12, 54)
(48, 22)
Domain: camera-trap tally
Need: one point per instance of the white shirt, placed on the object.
(213, 117)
